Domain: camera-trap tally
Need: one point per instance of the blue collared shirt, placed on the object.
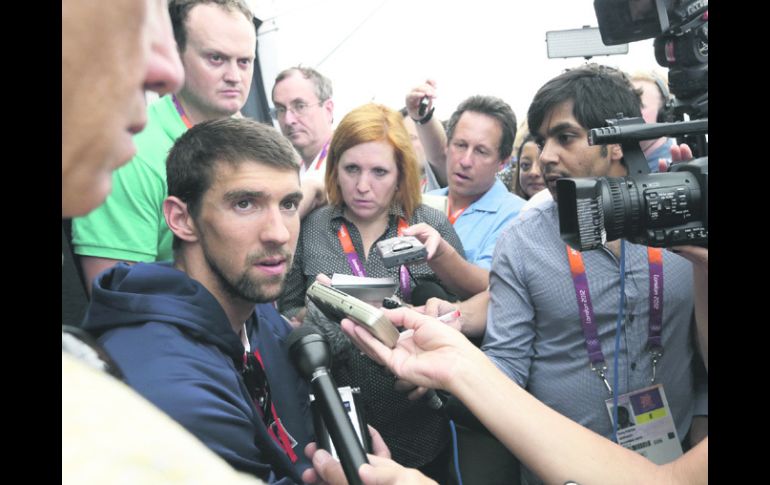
(480, 224)
(535, 336)
(663, 151)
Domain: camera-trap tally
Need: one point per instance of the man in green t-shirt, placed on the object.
(216, 40)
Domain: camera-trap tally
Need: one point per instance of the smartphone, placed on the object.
(338, 305)
(424, 102)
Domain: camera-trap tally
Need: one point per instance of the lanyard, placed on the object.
(358, 269)
(453, 215)
(322, 156)
(654, 342)
(181, 112)
(252, 363)
(586, 310)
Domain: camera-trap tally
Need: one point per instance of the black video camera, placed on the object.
(680, 28)
(660, 209)
(652, 209)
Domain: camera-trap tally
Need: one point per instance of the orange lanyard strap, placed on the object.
(343, 234)
(401, 226)
(322, 156)
(586, 309)
(181, 112)
(350, 251)
(454, 215)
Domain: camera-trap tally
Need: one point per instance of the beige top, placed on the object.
(110, 434)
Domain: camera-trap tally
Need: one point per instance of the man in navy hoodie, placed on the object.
(199, 337)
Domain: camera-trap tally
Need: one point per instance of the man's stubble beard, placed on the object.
(247, 288)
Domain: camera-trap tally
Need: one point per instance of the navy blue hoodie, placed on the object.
(175, 345)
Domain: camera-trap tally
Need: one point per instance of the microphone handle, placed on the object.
(432, 400)
(341, 430)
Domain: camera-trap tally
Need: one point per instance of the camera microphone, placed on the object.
(634, 129)
(309, 352)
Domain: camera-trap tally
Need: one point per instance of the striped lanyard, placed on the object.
(181, 112)
(358, 269)
(586, 310)
(322, 156)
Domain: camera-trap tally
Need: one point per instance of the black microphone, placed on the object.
(425, 290)
(309, 352)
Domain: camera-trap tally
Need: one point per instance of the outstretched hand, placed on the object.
(428, 353)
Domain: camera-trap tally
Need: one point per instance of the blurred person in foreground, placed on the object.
(130, 49)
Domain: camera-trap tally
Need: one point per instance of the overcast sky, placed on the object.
(375, 50)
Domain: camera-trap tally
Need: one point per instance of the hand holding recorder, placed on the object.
(401, 250)
(338, 305)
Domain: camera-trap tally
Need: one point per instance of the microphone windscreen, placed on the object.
(308, 351)
(426, 290)
(297, 334)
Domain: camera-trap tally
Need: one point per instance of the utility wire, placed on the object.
(371, 14)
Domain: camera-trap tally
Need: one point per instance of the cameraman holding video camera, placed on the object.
(536, 333)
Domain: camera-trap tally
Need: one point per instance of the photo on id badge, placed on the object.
(645, 424)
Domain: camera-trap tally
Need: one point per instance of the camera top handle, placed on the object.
(629, 131)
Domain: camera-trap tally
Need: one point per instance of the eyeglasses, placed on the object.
(258, 387)
(299, 108)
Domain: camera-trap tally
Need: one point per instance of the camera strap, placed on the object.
(358, 269)
(586, 311)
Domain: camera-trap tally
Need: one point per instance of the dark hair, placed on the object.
(495, 108)
(179, 10)
(376, 122)
(598, 92)
(192, 161)
(517, 189)
(323, 86)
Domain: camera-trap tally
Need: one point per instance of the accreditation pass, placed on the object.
(645, 424)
